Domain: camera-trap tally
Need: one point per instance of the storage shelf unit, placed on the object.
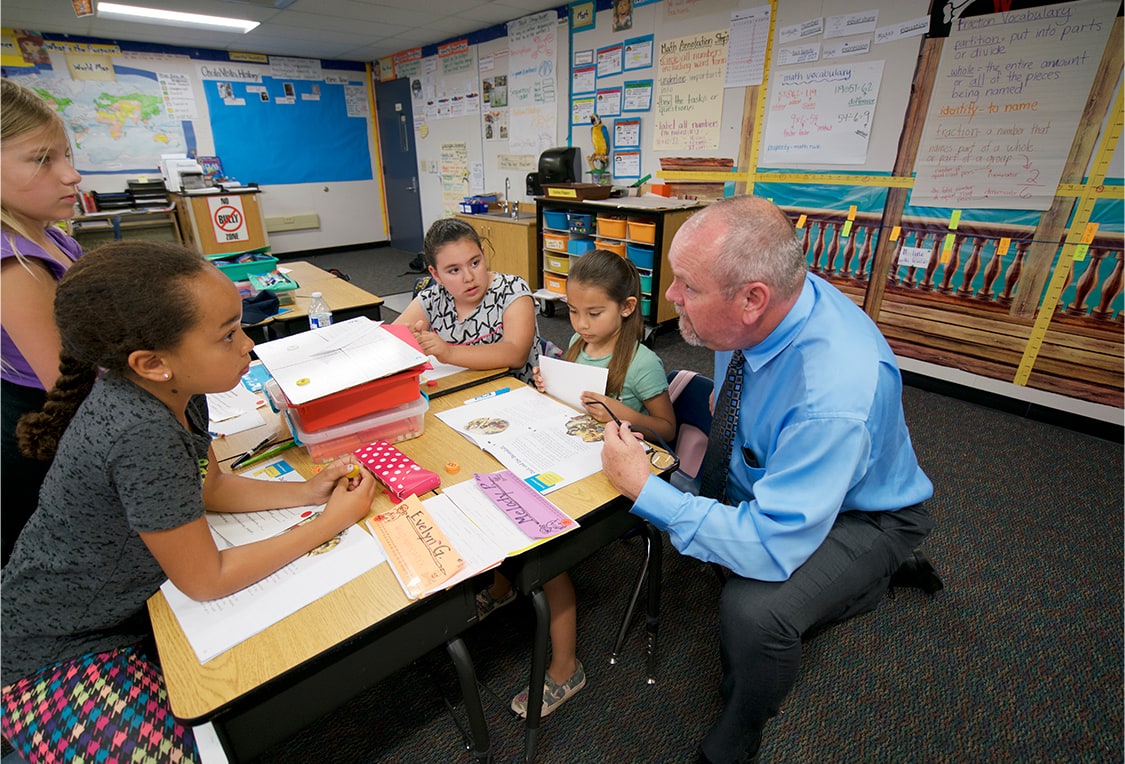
(203, 233)
(142, 223)
(568, 228)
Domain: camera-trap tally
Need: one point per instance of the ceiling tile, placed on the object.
(354, 30)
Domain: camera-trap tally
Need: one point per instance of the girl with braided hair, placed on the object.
(147, 329)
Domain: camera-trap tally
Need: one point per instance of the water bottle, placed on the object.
(319, 314)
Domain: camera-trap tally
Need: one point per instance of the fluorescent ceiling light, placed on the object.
(173, 18)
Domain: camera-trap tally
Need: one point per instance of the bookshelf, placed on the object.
(96, 228)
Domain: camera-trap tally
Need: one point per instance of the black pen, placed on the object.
(249, 453)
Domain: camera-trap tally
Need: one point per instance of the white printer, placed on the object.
(180, 173)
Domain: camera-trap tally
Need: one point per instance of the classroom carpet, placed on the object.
(1020, 658)
(397, 302)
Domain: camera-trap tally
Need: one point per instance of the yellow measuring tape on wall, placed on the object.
(763, 91)
(1074, 240)
(828, 179)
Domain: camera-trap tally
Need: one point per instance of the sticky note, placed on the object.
(1080, 252)
(954, 220)
(1090, 232)
(846, 232)
(895, 232)
(947, 247)
(1002, 246)
(801, 221)
(851, 212)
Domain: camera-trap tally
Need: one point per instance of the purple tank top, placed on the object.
(15, 367)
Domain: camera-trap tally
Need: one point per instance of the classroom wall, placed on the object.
(973, 321)
(666, 21)
(456, 158)
(300, 128)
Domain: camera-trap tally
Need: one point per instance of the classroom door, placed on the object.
(400, 163)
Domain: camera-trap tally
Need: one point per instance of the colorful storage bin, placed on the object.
(579, 245)
(556, 284)
(646, 307)
(392, 425)
(359, 401)
(611, 227)
(642, 230)
(646, 283)
(556, 263)
(555, 219)
(580, 222)
(616, 247)
(641, 256)
(555, 241)
(239, 267)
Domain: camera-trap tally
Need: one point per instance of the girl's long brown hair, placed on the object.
(618, 278)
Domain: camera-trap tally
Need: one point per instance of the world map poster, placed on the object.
(117, 125)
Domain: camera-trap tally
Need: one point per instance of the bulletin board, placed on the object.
(473, 152)
(301, 127)
(884, 73)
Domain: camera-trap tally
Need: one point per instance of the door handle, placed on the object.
(413, 184)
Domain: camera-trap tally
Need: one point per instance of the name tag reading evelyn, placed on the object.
(420, 553)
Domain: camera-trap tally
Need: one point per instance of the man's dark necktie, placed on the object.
(724, 425)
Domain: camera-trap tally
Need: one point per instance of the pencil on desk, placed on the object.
(269, 452)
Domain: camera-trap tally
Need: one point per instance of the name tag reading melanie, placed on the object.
(532, 513)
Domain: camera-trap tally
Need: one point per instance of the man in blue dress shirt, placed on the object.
(823, 497)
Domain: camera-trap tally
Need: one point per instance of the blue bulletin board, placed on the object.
(267, 142)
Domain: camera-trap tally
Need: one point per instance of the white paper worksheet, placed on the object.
(214, 626)
(237, 528)
(567, 380)
(541, 440)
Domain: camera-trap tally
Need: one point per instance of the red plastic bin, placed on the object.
(359, 401)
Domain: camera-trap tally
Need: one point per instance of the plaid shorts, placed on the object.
(101, 707)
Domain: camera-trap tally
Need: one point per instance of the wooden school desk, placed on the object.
(603, 516)
(463, 379)
(284, 678)
(345, 299)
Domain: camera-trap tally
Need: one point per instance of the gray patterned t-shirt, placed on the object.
(79, 576)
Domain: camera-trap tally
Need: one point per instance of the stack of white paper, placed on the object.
(314, 364)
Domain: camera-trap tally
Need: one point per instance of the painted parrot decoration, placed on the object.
(599, 159)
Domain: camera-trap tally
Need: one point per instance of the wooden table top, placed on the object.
(339, 294)
(198, 690)
(463, 379)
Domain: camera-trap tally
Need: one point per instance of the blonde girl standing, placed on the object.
(38, 187)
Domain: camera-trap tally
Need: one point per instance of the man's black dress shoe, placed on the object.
(701, 758)
(917, 573)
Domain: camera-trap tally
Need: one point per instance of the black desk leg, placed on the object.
(467, 675)
(538, 671)
(652, 621)
(634, 596)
